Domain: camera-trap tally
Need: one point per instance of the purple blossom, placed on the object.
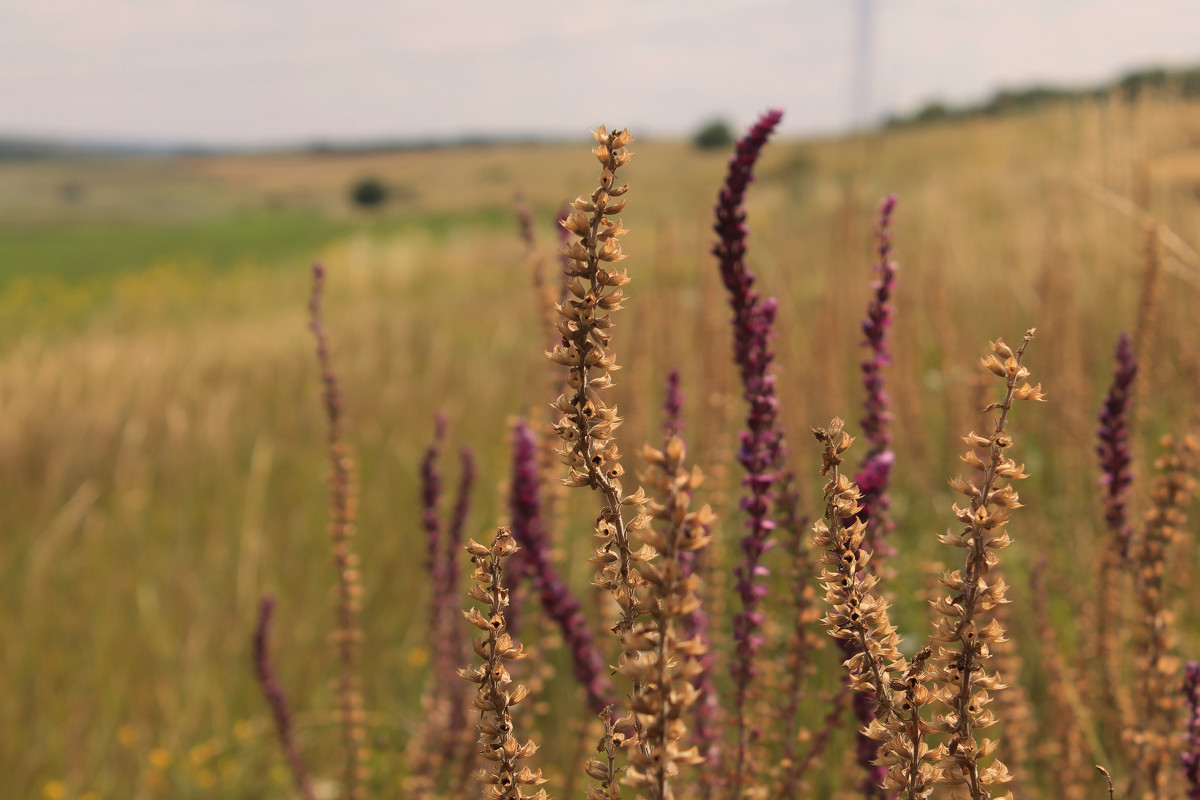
(875, 471)
(761, 442)
(1191, 741)
(558, 602)
(672, 404)
(1113, 446)
(795, 527)
(457, 649)
(439, 561)
(866, 749)
(280, 710)
(458, 522)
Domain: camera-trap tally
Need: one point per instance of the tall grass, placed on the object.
(164, 463)
(918, 725)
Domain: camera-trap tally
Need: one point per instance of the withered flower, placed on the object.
(659, 660)
(967, 629)
(587, 423)
(857, 614)
(497, 694)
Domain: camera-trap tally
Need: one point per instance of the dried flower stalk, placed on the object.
(964, 635)
(874, 472)
(1064, 747)
(587, 423)
(802, 643)
(695, 624)
(605, 770)
(547, 291)
(1014, 708)
(1191, 741)
(342, 503)
(1157, 664)
(859, 615)
(661, 663)
(496, 694)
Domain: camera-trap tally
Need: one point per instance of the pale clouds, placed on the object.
(265, 70)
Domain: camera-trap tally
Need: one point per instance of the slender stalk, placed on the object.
(496, 694)
(1116, 477)
(265, 672)
(762, 439)
(342, 501)
(859, 615)
(964, 634)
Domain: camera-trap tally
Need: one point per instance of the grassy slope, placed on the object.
(160, 439)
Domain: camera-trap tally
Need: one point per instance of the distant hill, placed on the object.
(1181, 83)
(33, 149)
(25, 148)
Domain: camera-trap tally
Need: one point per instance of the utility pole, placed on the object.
(861, 110)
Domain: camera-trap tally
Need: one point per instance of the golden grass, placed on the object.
(162, 462)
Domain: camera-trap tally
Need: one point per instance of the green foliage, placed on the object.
(714, 135)
(73, 251)
(1184, 84)
(369, 193)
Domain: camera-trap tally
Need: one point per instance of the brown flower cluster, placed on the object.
(954, 670)
(587, 422)
(605, 769)
(657, 659)
(1157, 665)
(967, 628)
(861, 616)
(496, 694)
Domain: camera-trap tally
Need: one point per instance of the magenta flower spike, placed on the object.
(558, 603)
(875, 471)
(1113, 446)
(762, 439)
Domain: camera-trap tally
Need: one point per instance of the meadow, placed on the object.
(163, 442)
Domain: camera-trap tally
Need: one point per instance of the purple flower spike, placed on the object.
(557, 601)
(457, 648)
(280, 710)
(672, 404)
(1113, 447)
(1191, 742)
(875, 472)
(441, 573)
(458, 523)
(866, 749)
(762, 441)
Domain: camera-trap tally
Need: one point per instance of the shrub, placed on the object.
(369, 193)
(714, 135)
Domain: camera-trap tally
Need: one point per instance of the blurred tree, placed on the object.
(713, 135)
(369, 193)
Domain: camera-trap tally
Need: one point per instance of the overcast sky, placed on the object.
(270, 71)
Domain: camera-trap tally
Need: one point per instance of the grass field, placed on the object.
(161, 437)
